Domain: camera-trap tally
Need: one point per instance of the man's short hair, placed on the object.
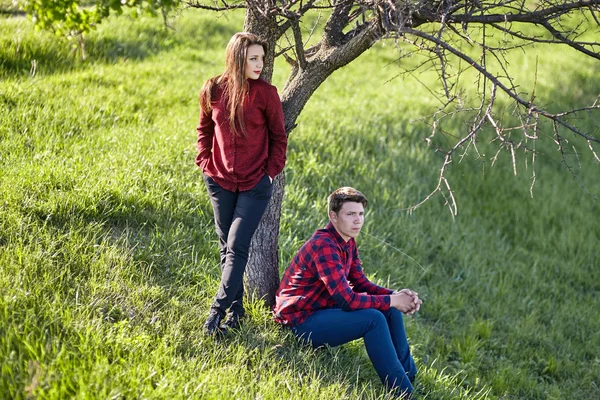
(343, 195)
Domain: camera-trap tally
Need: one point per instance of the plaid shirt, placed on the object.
(326, 273)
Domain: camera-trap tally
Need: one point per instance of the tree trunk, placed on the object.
(262, 272)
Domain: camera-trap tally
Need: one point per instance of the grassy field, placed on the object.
(108, 256)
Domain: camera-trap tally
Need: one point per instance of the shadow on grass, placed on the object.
(28, 56)
(133, 225)
(343, 367)
(143, 229)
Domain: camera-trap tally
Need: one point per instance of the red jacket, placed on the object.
(238, 163)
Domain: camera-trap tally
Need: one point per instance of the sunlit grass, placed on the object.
(108, 256)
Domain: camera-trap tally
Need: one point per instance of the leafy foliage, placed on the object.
(75, 17)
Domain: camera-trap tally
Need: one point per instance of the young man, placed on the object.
(325, 298)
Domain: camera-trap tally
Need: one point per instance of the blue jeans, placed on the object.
(237, 215)
(383, 333)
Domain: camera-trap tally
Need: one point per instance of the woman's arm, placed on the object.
(206, 131)
(277, 135)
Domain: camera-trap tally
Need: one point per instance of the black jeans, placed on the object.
(237, 215)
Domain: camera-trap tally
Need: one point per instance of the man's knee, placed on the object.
(375, 317)
(395, 313)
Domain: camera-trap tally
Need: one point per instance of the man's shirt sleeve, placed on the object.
(330, 269)
(358, 280)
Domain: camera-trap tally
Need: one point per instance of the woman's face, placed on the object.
(254, 61)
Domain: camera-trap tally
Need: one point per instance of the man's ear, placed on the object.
(332, 216)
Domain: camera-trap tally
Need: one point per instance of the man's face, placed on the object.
(348, 220)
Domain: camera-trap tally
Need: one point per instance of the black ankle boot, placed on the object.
(232, 321)
(212, 326)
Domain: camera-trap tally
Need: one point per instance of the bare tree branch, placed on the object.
(336, 23)
(510, 92)
(437, 29)
(450, 201)
(216, 7)
(523, 15)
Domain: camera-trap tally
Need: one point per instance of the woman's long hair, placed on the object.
(232, 80)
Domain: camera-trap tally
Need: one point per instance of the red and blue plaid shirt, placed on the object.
(326, 273)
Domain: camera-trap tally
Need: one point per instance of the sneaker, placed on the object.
(232, 321)
(212, 326)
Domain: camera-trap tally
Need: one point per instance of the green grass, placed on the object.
(108, 256)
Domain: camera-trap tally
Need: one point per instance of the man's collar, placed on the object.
(336, 235)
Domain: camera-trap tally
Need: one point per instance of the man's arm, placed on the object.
(331, 272)
(404, 300)
(359, 281)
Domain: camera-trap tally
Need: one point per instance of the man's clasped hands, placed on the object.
(406, 301)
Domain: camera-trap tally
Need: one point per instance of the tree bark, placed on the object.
(262, 271)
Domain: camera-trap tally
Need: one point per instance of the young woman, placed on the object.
(241, 148)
